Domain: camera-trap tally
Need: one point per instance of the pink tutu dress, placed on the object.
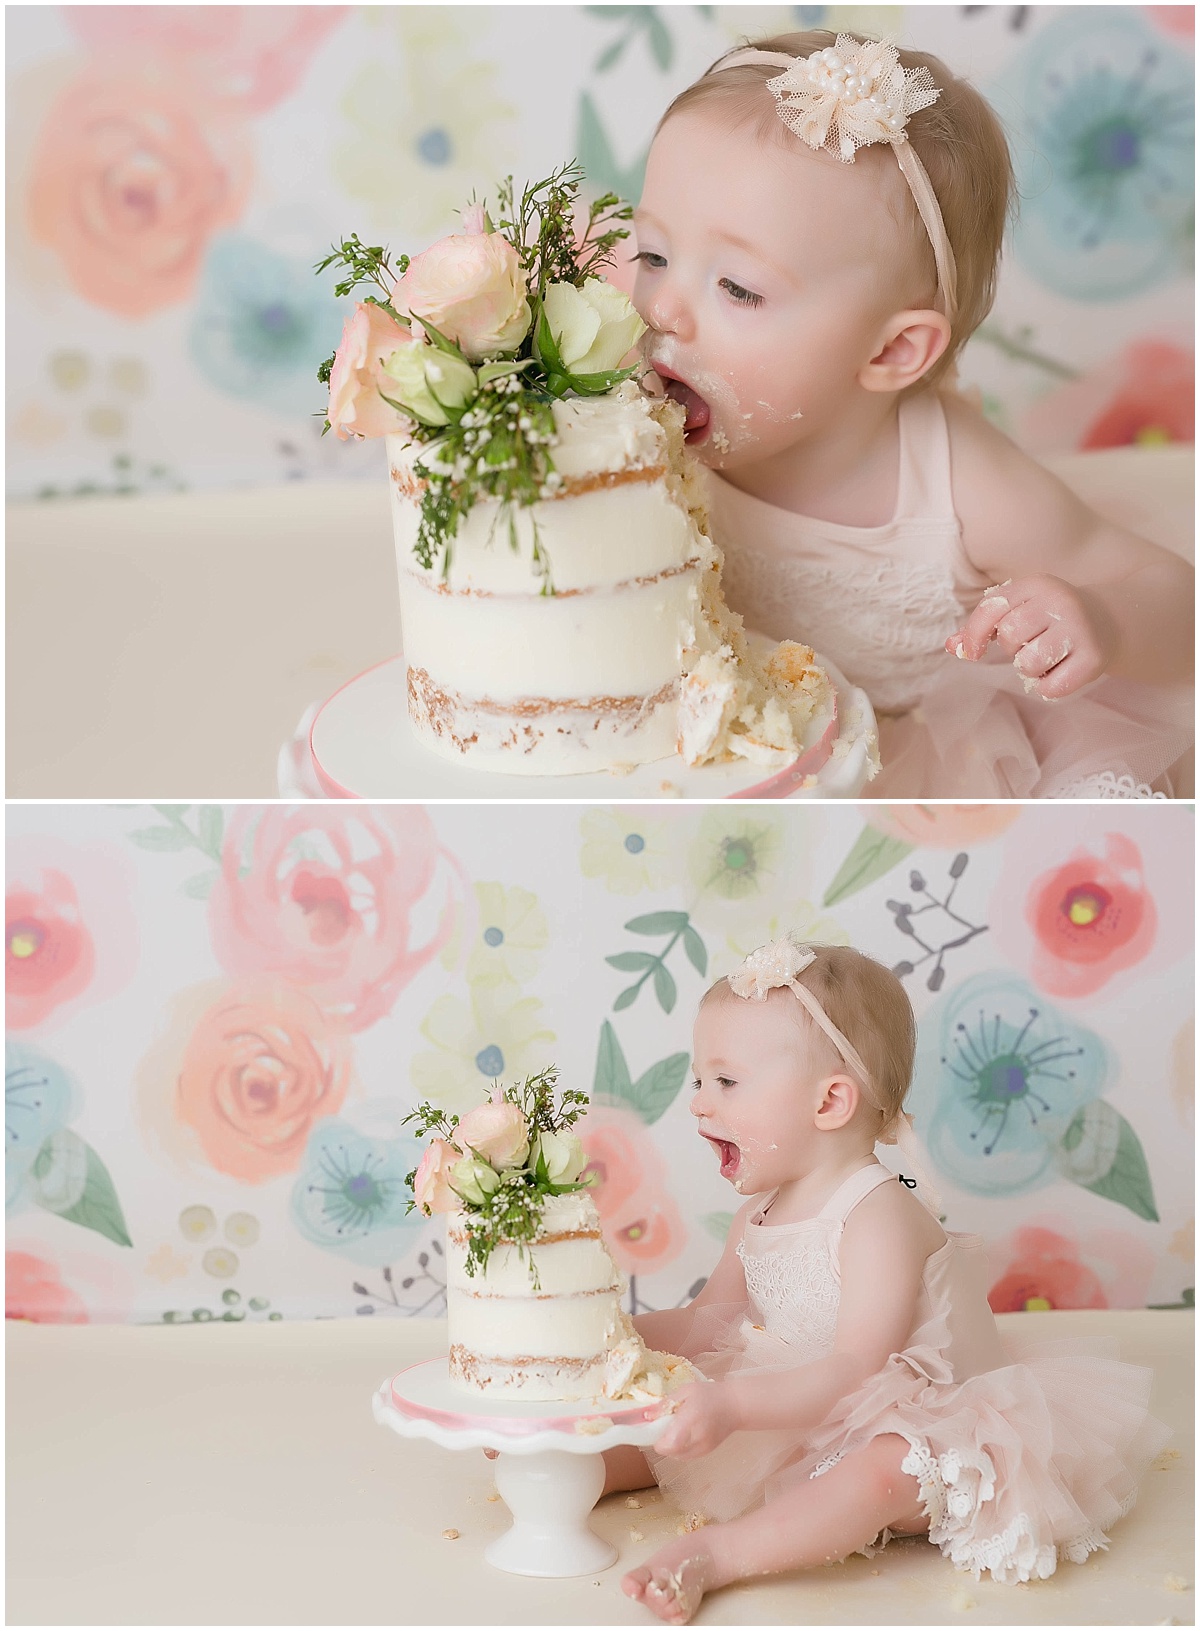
(1021, 1458)
(879, 603)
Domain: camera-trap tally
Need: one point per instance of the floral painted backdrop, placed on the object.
(219, 1018)
(175, 172)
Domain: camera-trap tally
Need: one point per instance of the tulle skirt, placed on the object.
(1018, 1467)
(977, 733)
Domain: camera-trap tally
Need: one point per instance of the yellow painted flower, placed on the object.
(424, 120)
(496, 1036)
(166, 1264)
(512, 931)
(197, 1222)
(629, 850)
(241, 1228)
(735, 856)
(763, 920)
(220, 1262)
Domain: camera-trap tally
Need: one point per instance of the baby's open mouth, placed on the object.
(695, 426)
(729, 1153)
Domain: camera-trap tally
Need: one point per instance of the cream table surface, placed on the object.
(166, 647)
(232, 1474)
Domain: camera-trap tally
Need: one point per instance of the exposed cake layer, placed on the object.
(528, 1377)
(541, 735)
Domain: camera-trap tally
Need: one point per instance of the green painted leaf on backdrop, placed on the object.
(658, 923)
(664, 987)
(599, 162)
(162, 839)
(695, 948)
(873, 854)
(1099, 1137)
(655, 1090)
(632, 962)
(629, 995)
(612, 1083)
(652, 1093)
(211, 829)
(200, 885)
(75, 1186)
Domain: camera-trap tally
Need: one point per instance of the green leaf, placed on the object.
(162, 839)
(59, 1172)
(611, 54)
(200, 885)
(598, 159)
(658, 923)
(174, 813)
(98, 1207)
(660, 40)
(1127, 1181)
(211, 829)
(664, 988)
(626, 997)
(718, 1223)
(655, 1090)
(612, 1083)
(873, 854)
(632, 962)
(695, 948)
(439, 339)
(546, 347)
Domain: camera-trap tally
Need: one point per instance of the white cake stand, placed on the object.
(362, 746)
(549, 1471)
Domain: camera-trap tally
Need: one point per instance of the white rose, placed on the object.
(564, 1155)
(427, 382)
(473, 1180)
(593, 327)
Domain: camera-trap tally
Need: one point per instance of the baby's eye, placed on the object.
(649, 258)
(726, 1081)
(695, 1085)
(742, 297)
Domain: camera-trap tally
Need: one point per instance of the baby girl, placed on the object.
(818, 237)
(856, 1384)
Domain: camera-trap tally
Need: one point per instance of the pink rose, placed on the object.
(472, 289)
(431, 1186)
(496, 1131)
(355, 406)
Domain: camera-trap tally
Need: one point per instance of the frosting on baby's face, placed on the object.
(766, 274)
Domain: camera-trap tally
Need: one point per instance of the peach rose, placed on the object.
(431, 1186)
(133, 174)
(250, 57)
(497, 1132)
(943, 826)
(471, 287)
(326, 895)
(356, 407)
(261, 1066)
(34, 1290)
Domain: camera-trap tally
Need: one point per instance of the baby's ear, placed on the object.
(839, 1100)
(909, 345)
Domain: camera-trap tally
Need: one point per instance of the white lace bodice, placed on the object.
(792, 1274)
(878, 602)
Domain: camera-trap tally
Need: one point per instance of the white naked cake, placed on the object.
(600, 641)
(545, 1321)
(560, 598)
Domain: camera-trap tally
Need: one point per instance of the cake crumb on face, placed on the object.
(449, 1534)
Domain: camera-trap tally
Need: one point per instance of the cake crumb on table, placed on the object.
(1175, 1582)
(494, 1496)
(636, 1534)
(962, 1602)
(449, 1534)
(632, 1502)
(1165, 1459)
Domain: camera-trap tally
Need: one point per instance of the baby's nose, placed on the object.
(669, 314)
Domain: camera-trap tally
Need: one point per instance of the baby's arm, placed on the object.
(884, 1245)
(1077, 596)
(667, 1329)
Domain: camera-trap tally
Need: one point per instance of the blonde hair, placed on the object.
(958, 139)
(870, 1007)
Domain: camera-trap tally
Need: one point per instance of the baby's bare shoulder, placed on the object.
(893, 1211)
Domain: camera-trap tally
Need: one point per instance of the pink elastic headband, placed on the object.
(852, 95)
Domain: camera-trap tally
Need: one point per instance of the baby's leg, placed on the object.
(822, 1521)
(626, 1468)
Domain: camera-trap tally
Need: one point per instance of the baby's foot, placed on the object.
(672, 1583)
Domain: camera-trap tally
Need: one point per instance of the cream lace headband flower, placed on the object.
(852, 95)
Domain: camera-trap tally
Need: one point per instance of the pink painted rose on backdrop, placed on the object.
(942, 826)
(34, 1290)
(630, 1186)
(71, 936)
(1047, 1265)
(1095, 906)
(262, 1064)
(1145, 395)
(248, 57)
(133, 172)
(326, 897)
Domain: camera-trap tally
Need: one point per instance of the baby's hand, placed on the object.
(1044, 626)
(704, 1417)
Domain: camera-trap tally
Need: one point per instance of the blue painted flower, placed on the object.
(999, 1075)
(351, 1197)
(39, 1098)
(1106, 174)
(262, 325)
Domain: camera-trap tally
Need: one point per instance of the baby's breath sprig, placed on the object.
(365, 265)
